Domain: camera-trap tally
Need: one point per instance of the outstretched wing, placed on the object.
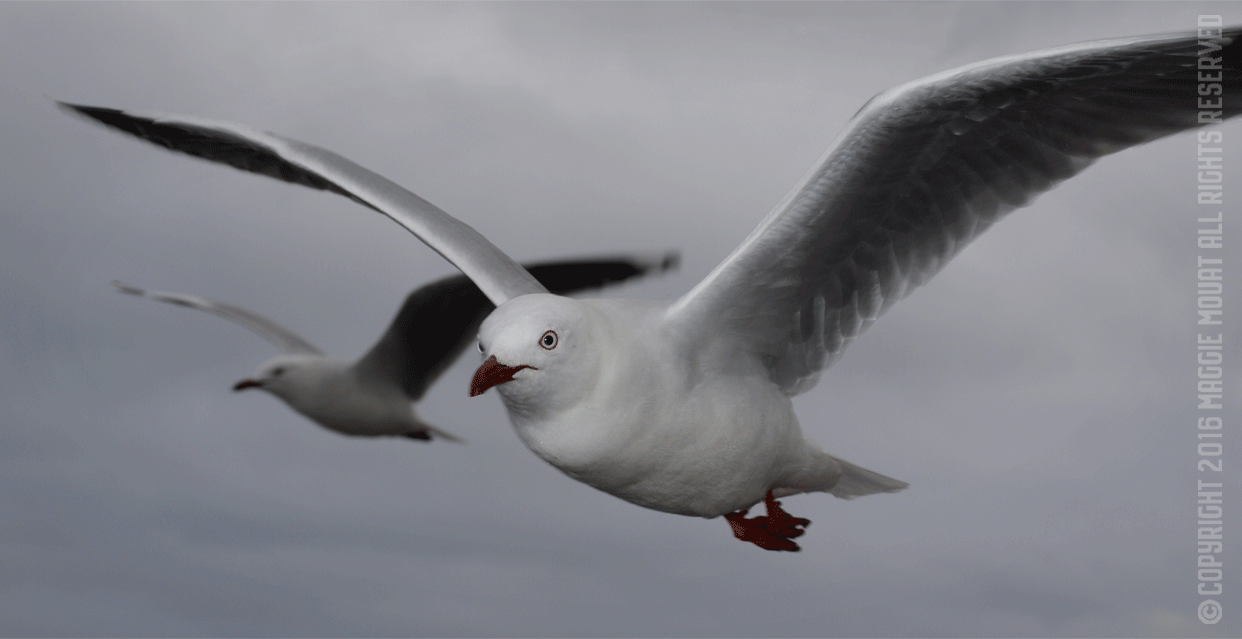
(438, 321)
(284, 339)
(926, 167)
(255, 151)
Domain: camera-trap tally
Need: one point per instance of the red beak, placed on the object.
(492, 373)
(244, 384)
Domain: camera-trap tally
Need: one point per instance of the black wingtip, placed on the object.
(122, 287)
(70, 108)
(100, 114)
(656, 262)
(672, 260)
(1232, 53)
(114, 118)
(67, 106)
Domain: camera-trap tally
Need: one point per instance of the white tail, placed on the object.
(857, 481)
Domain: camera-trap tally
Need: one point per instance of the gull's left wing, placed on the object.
(286, 340)
(496, 274)
(926, 167)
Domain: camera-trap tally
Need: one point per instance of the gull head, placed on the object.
(540, 351)
(286, 376)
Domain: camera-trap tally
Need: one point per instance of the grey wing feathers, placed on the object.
(284, 339)
(923, 169)
(441, 319)
(292, 161)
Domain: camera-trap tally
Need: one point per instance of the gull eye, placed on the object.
(479, 346)
(548, 341)
(276, 372)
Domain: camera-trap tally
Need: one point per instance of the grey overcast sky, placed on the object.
(1038, 395)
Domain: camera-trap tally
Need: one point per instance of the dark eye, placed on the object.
(479, 345)
(276, 372)
(548, 341)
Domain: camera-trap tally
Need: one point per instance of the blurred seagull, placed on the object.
(684, 406)
(373, 396)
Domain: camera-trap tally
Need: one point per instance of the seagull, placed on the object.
(683, 406)
(373, 396)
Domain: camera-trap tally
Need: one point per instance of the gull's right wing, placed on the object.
(496, 274)
(439, 320)
(924, 168)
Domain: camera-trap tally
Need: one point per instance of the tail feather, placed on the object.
(445, 435)
(857, 481)
(429, 432)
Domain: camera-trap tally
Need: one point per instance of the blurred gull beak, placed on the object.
(246, 383)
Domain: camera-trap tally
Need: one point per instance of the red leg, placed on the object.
(773, 532)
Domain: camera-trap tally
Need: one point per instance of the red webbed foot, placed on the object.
(773, 532)
(754, 530)
(781, 523)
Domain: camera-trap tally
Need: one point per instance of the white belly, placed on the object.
(353, 411)
(704, 453)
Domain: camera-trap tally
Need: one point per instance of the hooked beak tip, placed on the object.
(492, 373)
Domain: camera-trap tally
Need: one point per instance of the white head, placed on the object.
(289, 377)
(542, 354)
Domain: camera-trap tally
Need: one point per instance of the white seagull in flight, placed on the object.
(373, 396)
(684, 406)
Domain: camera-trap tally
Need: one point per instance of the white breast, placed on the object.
(654, 433)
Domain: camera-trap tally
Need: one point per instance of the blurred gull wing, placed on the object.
(286, 340)
(924, 168)
(499, 277)
(438, 321)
